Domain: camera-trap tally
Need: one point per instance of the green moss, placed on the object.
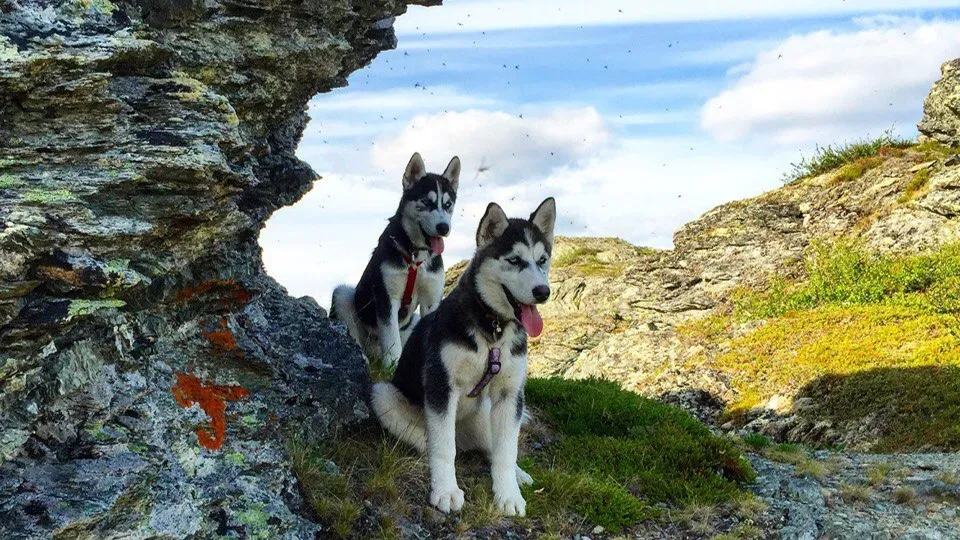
(8, 181)
(858, 168)
(48, 196)
(919, 181)
(138, 448)
(935, 149)
(87, 307)
(257, 522)
(236, 458)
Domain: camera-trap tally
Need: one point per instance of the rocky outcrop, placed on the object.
(941, 110)
(150, 372)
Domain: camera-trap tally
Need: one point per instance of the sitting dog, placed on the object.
(460, 380)
(406, 269)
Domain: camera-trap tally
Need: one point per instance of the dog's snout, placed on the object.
(541, 293)
(443, 229)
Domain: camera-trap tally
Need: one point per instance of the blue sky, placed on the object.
(638, 119)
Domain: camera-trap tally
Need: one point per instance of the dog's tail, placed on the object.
(342, 308)
(398, 416)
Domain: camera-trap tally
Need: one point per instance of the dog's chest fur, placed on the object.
(466, 367)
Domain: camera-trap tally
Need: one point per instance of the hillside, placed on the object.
(682, 325)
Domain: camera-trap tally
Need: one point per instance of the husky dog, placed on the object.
(460, 380)
(406, 269)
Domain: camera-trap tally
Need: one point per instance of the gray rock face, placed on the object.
(941, 110)
(150, 372)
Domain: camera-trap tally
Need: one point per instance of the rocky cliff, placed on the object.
(149, 369)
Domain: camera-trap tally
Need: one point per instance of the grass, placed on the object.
(604, 457)
(829, 158)
(856, 169)
(864, 333)
(845, 274)
(757, 441)
(855, 493)
(877, 474)
(904, 495)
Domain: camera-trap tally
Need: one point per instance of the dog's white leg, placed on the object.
(389, 333)
(503, 457)
(442, 451)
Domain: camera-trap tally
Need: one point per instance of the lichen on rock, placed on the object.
(143, 144)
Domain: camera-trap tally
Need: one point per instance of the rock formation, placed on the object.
(150, 372)
(941, 110)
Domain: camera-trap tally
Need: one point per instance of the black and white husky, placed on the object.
(406, 269)
(460, 380)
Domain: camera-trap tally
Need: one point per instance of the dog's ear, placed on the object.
(492, 225)
(415, 170)
(544, 217)
(453, 173)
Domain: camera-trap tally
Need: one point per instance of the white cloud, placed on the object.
(512, 148)
(482, 15)
(641, 190)
(825, 86)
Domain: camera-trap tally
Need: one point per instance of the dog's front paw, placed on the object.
(447, 499)
(511, 503)
(523, 478)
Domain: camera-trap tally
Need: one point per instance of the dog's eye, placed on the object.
(542, 261)
(514, 260)
(447, 205)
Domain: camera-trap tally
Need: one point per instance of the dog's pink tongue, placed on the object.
(531, 320)
(436, 244)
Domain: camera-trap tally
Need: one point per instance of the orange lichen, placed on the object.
(222, 339)
(231, 291)
(213, 400)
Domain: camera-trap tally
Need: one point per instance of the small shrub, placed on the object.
(877, 474)
(757, 441)
(812, 468)
(904, 495)
(828, 158)
(852, 493)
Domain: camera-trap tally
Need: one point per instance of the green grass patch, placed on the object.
(845, 274)
(659, 452)
(757, 441)
(830, 157)
(604, 456)
(935, 149)
(586, 261)
(858, 168)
